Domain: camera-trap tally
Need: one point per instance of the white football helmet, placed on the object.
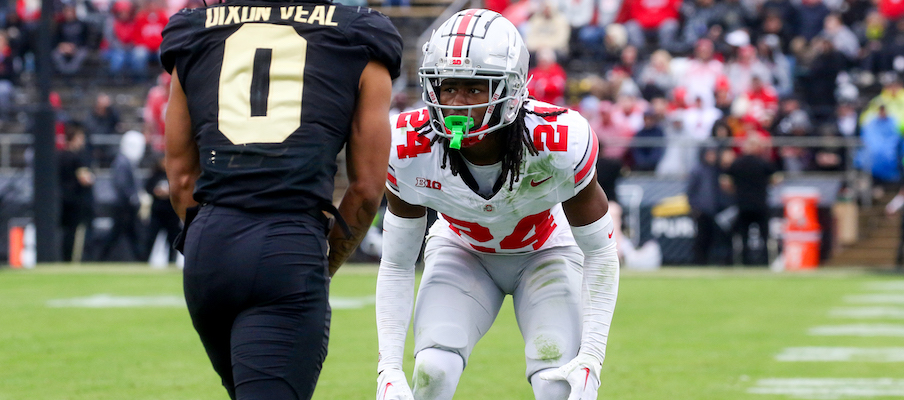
(476, 44)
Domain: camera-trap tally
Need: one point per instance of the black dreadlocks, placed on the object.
(518, 138)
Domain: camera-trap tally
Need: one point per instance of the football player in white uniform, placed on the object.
(520, 211)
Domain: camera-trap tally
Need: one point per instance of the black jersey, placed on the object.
(271, 90)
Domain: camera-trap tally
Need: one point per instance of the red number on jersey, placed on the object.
(545, 137)
(416, 145)
(413, 119)
(471, 229)
(547, 110)
(531, 230)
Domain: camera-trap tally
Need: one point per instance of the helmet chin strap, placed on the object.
(458, 125)
(492, 106)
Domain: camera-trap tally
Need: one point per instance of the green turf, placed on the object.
(677, 334)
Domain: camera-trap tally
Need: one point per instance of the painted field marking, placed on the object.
(110, 301)
(868, 312)
(830, 388)
(858, 330)
(880, 298)
(893, 286)
(841, 354)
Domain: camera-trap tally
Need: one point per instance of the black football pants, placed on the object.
(256, 285)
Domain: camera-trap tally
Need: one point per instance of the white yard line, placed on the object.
(868, 312)
(858, 330)
(893, 286)
(841, 354)
(879, 298)
(110, 301)
(830, 388)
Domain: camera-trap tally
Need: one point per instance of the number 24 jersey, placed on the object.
(525, 218)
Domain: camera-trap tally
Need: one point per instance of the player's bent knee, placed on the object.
(436, 374)
(549, 390)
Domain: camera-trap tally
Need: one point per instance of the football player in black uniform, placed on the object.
(264, 96)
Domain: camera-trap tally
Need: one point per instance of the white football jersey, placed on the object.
(526, 217)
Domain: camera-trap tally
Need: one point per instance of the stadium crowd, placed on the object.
(696, 72)
(656, 79)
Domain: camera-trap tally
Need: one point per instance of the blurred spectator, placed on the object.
(891, 97)
(750, 176)
(741, 71)
(627, 66)
(723, 96)
(820, 81)
(759, 102)
(782, 27)
(104, 117)
(548, 29)
(547, 82)
(155, 112)
(162, 214)
(77, 199)
(586, 38)
(102, 120)
(614, 42)
(769, 52)
(658, 18)
(882, 148)
(697, 124)
(846, 120)
(630, 105)
(706, 198)
(811, 16)
(703, 70)
(646, 157)
(8, 78)
(70, 43)
(734, 16)
(843, 39)
(151, 19)
(796, 159)
(125, 54)
(126, 202)
(698, 16)
(613, 130)
(656, 79)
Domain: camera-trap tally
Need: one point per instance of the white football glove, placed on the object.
(582, 373)
(392, 385)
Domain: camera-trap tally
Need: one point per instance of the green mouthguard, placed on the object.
(458, 124)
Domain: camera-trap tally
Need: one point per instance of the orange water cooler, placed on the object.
(802, 235)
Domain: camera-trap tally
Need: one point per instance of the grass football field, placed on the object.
(122, 332)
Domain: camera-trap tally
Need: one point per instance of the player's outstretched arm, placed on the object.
(403, 233)
(182, 159)
(593, 231)
(367, 159)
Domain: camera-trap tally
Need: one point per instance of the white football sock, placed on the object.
(549, 390)
(436, 374)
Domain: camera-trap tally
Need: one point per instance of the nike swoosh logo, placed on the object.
(610, 233)
(534, 183)
(586, 377)
(389, 385)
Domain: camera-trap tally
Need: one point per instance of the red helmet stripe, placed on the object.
(461, 32)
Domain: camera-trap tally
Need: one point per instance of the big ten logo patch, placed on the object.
(426, 183)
